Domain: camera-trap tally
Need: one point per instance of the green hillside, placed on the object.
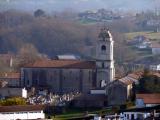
(148, 34)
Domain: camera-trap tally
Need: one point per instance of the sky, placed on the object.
(77, 5)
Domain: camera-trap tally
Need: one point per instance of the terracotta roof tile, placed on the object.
(19, 108)
(131, 78)
(149, 98)
(155, 45)
(157, 74)
(63, 64)
(10, 75)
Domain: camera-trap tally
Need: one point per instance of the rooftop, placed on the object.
(63, 64)
(131, 78)
(10, 75)
(67, 57)
(19, 108)
(155, 45)
(149, 98)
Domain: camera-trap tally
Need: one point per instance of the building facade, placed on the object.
(121, 90)
(147, 100)
(68, 75)
(13, 92)
(12, 79)
(60, 76)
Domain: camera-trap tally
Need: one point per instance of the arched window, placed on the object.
(103, 48)
(103, 65)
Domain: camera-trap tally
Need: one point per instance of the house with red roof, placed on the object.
(120, 90)
(147, 100)
(155, 48)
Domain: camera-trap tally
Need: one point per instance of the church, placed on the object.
(73, 75)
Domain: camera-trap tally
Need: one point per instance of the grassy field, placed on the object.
(74, 113)
(149, 34)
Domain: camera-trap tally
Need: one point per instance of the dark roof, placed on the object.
(149, 98)
(80, 64)
(21, 108)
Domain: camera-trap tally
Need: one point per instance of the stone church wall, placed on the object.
(59, 80)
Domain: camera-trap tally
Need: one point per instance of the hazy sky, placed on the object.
(58, 5)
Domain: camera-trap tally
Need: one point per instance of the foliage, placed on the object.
(55, 35)
(130, 104)
(149, 34)
(39, 13)
(78, 112)
(149, 83)
(50, 36)
(13, 101)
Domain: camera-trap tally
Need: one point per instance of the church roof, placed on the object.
(80, 64)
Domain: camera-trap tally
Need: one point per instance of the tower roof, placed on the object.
(104, 33)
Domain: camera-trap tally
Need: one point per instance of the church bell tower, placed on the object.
(104, 58)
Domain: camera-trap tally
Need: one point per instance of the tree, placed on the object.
(149, 83)
(39, 13)
(27, 54)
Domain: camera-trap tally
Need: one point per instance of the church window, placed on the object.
(103, 48)
(54, 75)
(89, 76)
(103, 65)
(70, 74)
(27, 82)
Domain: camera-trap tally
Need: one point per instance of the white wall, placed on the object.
(155, 67)
(128, 115)
(155, 51)
(22, 115)
(16, 92)
(24, 93)
(98, 92)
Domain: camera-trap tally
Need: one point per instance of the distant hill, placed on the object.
(148, 34)
(76, 5)
(49, 35)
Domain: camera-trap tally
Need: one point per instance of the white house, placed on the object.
(13, 92)
(145, 113)
(144, 45)
(155, 49)
(155, 67)
(21, 112)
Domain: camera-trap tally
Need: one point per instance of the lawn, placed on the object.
(75, 113)
(149, 34)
